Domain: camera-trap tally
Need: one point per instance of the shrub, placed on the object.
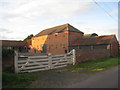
(7, 53)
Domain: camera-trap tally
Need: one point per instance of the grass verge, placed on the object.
(94, 65)
(12, 80)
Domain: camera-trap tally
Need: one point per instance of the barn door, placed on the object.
(44, 48)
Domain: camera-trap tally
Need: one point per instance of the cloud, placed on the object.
(24, 17)
(96, 28)
(32, 16)
(5, 37)
(10, 34)
(37, 8)
(4, 30)
(5, 33)
(106, 0)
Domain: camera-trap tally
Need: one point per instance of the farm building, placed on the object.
(63, 38)
(21, 46)
(119, 48)
(56, 40)
(96, 47)
(98, 42)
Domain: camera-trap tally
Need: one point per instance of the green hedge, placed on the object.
(7, 53)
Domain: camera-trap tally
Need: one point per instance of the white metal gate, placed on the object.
(34, 63)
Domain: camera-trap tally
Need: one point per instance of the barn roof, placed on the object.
(106, 39)
(58, 29)
(90, 35)
(13, 43)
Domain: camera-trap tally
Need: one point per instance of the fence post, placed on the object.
(74, 57)
(50, 61)
(16, 61)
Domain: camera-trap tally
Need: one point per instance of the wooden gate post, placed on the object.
(16, 61)
(74, 57)
(50, 61)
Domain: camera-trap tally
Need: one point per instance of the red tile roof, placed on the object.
(58, 29)
(106, 39)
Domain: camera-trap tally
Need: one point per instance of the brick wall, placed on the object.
(37, 41)
(114, 48)
(84, 55)
(119, 50)
(8, 62)
(74, 36)
(56, 43)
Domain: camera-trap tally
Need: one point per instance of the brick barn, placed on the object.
(8, 60)
(99, 42)
(119, 49)
(95, 47)
(20, 46)
(63, 38)
(56, 40)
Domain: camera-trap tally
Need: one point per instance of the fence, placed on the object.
(33, 63)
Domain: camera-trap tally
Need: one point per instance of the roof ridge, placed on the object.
(56, 26)
(104, 35)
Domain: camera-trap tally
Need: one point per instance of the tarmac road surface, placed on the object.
(104, 79)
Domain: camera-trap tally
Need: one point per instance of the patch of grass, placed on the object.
(12, 80)
(95, 65)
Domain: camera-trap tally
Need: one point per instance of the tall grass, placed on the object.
(13, 80)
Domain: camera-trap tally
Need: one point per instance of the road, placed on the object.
(55, 79)
(105, 79)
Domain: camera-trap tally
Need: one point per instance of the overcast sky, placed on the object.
(20, 18)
